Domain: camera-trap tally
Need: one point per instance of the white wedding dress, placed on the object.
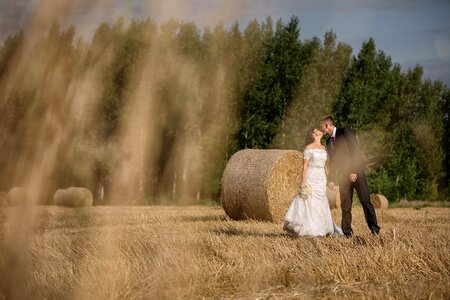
(312, 216)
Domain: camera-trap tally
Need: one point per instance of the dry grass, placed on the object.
(194, 252)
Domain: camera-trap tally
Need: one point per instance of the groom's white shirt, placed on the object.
(333, 135)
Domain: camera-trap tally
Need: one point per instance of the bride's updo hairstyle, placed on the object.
(309, 136)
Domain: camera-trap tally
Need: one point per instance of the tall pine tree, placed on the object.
(265, 103)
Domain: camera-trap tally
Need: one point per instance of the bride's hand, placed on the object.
(331, 185)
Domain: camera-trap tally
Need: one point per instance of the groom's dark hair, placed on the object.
(328, 119)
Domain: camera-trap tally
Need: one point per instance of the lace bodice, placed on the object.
(316, 157)
(315, 175)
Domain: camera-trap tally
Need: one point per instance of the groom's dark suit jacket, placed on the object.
(345, 156)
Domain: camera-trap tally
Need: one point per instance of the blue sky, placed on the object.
(410, 31)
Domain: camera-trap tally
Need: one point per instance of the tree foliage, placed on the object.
(266, 101)
(395, 115)
(213, 91)
(316, 92)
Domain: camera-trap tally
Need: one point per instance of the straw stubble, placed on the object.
(194, 252)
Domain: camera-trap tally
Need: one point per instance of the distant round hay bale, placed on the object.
(379, 201)
(73, 197)
(338, 200)
(260, 184)
(3, 199)
(334, 198)
(17, 196)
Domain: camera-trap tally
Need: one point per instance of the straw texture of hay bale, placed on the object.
(379, 201)
(17, 196)
(73, 197)
(260, 184)
(3, 199)
(334, 198)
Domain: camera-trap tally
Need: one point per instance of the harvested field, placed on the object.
(162, 252)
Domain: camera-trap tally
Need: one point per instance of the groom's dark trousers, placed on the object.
(346, 158)
(346, 188)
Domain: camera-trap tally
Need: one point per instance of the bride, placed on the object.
(309, 213)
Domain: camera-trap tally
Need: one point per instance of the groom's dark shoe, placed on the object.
(348, 233)
(375, 230)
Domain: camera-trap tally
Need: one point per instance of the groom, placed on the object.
(347, 170)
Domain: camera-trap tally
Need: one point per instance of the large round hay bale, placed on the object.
(379, 201)
(73, 197)
(3, 199)
(260, 184)
(338, 200)
(17, 196)
(334, 198)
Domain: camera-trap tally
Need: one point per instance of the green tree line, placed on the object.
(214, 91)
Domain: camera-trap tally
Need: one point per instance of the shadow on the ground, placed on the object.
(354, 241)
(209, 218)
(233, 231)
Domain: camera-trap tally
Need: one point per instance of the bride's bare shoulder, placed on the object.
(314, 146)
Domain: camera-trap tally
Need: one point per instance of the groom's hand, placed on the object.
(331, 185)
(353, 177)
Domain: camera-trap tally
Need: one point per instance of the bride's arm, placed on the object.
(305, 168)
